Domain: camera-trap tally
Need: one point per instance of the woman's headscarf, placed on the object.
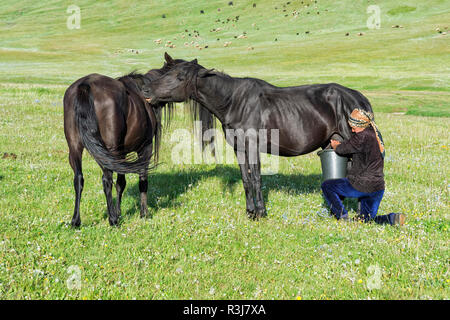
(362, 119)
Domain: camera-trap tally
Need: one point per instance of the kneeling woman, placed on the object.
(365, 179)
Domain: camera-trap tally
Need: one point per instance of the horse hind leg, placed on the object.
(75, 156)
(107, 188)
(334, 136)
(120, 187)
(143, 186)
(337, 136)
(143, 182)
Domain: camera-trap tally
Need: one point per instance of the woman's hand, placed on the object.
(334, 144)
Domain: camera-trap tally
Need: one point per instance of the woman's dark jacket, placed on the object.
(366, 173)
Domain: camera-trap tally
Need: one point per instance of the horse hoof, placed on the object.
(144, 214)
(260, 214)
(114, 223)
(76, 223)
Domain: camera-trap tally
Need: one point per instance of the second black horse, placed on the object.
(304, 118)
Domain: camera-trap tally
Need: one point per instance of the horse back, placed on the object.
(305, 116)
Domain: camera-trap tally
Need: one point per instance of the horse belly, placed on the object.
(297, 138)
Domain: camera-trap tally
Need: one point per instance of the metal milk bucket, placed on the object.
(333, 165)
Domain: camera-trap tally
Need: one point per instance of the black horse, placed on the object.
(303, 118)
(111, 119)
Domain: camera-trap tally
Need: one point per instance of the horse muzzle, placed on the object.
(150, 98)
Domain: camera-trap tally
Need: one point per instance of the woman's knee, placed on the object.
(331, 184)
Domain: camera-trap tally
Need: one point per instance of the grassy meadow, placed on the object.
(198, 242)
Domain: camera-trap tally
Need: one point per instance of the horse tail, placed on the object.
(89, 131)
(363, 102)
(344, 100)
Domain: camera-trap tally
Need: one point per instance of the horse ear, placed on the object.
(194, 61)
(203, 73)
(168, 59)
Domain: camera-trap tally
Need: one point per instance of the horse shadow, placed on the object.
(164, 188)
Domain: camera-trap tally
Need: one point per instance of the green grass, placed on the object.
(429, 110)
(199, 243)
(199, 237)
(400, 10)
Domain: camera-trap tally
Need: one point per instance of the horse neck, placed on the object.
(214, 93)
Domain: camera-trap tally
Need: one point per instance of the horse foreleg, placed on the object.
(245, 173)
(78, 183)
(120, 187)
(107, 188)
(143, 185)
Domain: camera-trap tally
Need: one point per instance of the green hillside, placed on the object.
(199, 243)
(284, 42)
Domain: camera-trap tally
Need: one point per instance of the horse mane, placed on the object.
(208, 121)
(133, 75)
(133, 80)
(221, 73)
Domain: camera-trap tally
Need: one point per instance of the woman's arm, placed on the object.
(353, 145)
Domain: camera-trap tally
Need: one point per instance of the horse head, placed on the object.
(175, 85)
